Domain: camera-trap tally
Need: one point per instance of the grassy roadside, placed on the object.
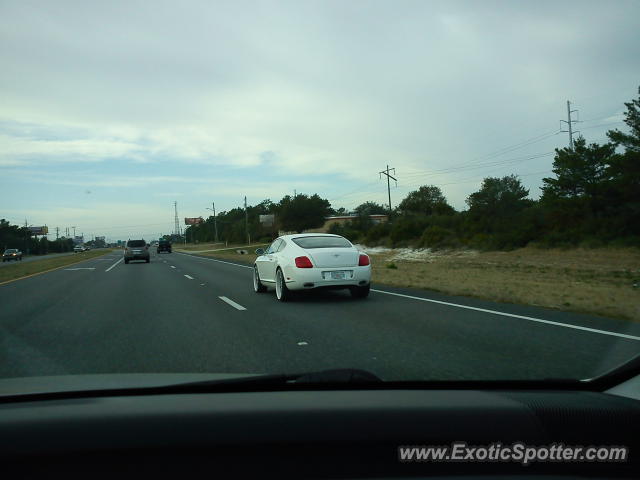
(18, 270)
(596, 281)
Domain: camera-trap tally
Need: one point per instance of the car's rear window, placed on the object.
(322, 242)
(136, 243)
(11, 250)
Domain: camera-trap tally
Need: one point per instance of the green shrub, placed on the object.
(438, 237)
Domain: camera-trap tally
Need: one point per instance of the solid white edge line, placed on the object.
(189, 277)
(513, 315)
(214, 260)
(114, 264)
(494, 312)
(232, 303)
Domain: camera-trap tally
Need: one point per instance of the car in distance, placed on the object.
(164, 246)
(311, 261)
(11, 254)
(136, 250)
(78, 248)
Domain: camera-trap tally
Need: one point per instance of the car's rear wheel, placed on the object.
(148, 260)
(282, 292)
(360, 292)
(126, 261)
(258, 287)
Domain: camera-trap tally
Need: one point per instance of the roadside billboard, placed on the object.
(193, 220)
(39, 230)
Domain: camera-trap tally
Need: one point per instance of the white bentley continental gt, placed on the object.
(311, 260)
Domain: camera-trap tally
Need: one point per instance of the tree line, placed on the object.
(592, 199)
(15, 236)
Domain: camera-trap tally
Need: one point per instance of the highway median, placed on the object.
(19, 271)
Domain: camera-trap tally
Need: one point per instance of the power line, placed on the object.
(509, 161)
(497, 153)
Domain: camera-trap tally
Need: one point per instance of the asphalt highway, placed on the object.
(184, 313)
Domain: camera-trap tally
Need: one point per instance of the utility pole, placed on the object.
(215, 221)
(74, 232)
(57, 228)
(176, 230)
(246, 221)
(26, 244)
(387, 172)
(569, 121)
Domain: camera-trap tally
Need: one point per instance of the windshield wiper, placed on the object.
(330, 379)
(341, 377)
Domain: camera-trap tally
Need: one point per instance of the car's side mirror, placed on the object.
(259, 251)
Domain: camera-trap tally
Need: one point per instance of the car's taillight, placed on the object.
(303, 262)
(363, 261)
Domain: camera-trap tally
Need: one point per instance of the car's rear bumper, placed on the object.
(137, 257)
(309, 278)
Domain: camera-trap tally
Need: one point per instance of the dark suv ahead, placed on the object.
(164, 246)
(136, 250)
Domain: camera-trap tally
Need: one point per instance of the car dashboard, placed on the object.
(310, 433)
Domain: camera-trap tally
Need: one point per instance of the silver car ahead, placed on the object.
(136, 250)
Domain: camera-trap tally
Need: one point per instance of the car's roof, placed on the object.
(298, 235)
(11, 250)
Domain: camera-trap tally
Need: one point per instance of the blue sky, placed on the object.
(110, 111)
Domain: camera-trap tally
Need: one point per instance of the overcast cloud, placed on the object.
(107, 108)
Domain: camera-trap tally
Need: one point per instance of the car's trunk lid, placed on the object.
(333, 257)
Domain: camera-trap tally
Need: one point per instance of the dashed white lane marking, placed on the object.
(79, 268)
(114, 265)
(189, 277)
(172, 266)
(302, 344)
(235, 305)
(512, 315)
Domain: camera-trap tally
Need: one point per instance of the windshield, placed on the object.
(322, 242)
(136, 243)
(425, 190)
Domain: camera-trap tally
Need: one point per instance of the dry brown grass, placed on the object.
(597, 281)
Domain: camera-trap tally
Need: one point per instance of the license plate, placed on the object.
(136, 252)
(336, 275)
